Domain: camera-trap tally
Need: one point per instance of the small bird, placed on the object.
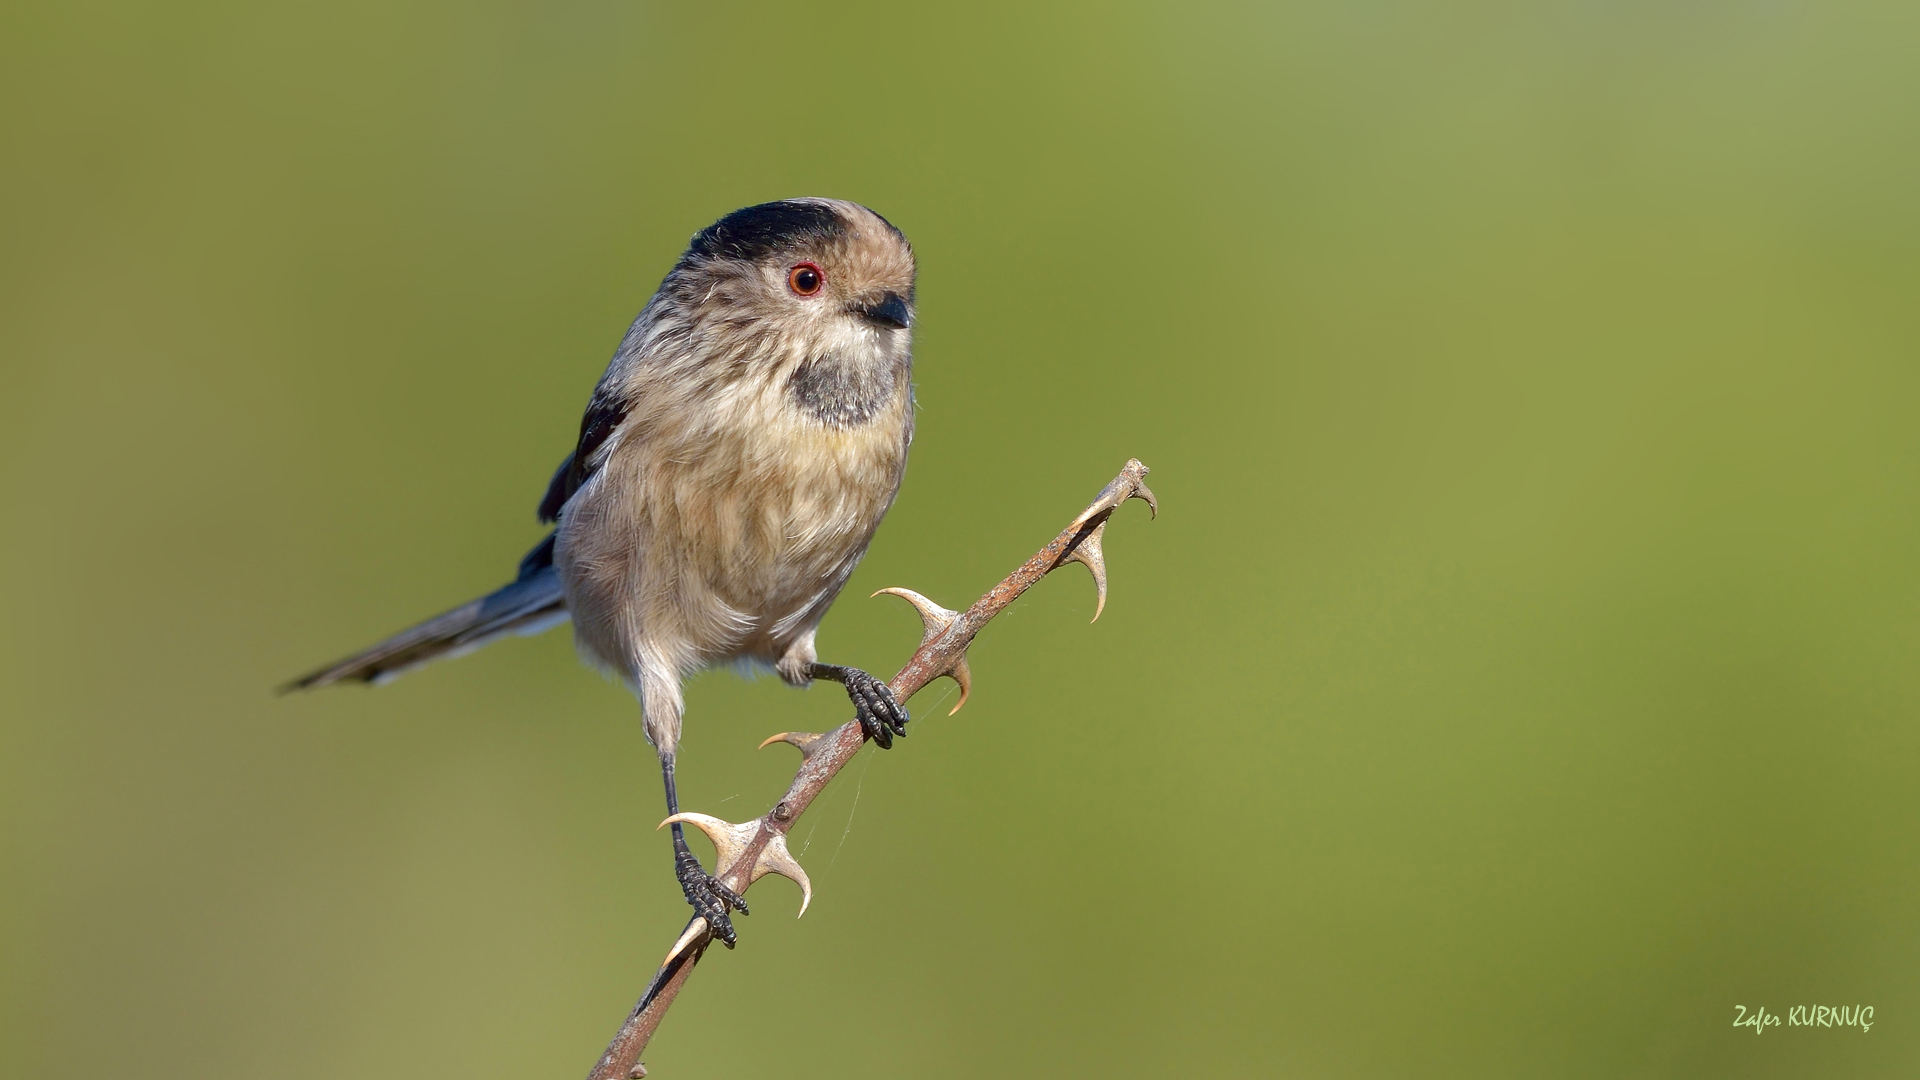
(732, 466)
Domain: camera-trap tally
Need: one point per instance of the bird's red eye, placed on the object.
(805, 279)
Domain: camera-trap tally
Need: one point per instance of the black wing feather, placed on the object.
(605, 412)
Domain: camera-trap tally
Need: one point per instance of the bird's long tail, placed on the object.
(528, 606)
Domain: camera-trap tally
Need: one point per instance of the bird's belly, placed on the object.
(692, 559)
(796, 537)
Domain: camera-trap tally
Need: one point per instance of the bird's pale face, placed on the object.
(815, 293)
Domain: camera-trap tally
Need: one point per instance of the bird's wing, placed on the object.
(605, 413)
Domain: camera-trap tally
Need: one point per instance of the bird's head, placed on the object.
(806, 280)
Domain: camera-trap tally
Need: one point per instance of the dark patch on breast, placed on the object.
(838, 393)
(759, 231)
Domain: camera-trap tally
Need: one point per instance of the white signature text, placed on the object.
(1827, 1016)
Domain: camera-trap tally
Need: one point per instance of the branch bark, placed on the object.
(750, 850)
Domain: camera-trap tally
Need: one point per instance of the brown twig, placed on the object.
(746, 852)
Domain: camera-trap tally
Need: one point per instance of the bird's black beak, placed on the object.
(890, 311)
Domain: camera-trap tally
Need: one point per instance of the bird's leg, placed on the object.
(880, 716)
(709, 897)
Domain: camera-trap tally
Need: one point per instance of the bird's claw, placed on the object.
(880, 714)
(710, 897)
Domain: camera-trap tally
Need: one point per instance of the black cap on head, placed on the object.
(759, 231)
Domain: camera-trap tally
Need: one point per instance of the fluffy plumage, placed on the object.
(765, 435)
(731, 468)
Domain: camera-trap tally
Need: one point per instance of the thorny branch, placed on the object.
(749, 851)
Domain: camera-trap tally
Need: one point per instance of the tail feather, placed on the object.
(528, 606)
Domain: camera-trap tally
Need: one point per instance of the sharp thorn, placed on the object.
(1145, 494)
(1138, 489)
(729, 840)
(1089, 554)
(935, 617)
(806, 741)
(729, 844)
(776, 859)
(693, 931)
(1128, 485)
(964, 677)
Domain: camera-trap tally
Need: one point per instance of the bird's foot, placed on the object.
(881, 716)
(711, 899)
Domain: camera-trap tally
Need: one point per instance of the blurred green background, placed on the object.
(1520, 675)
